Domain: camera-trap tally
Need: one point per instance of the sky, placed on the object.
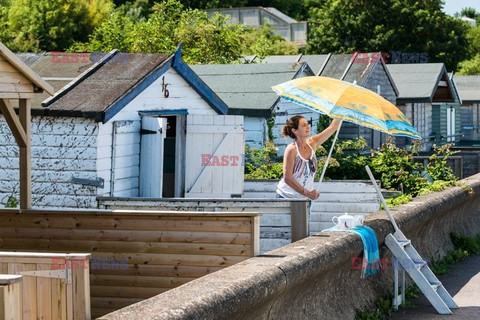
(452, 6)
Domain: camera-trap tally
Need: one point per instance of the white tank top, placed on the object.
(303, 173)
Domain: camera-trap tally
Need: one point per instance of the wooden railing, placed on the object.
(135, 254)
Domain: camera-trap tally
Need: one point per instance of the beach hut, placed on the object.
(469, 92)
(429, 99)
(131, 125)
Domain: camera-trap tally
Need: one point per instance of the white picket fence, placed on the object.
(336, 197)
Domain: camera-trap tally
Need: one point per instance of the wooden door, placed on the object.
(215, 147)
(451, 123)
(152, 134)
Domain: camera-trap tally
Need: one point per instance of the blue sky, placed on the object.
(452, 6)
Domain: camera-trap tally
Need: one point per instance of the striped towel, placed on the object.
(370, 248)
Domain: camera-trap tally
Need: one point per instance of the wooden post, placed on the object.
(25, 156)
(299, 220)
(11, 307)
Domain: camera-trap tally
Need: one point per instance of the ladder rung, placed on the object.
(435, 284)
(420, 264)
(404, 243)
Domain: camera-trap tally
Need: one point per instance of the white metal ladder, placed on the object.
(408, 259)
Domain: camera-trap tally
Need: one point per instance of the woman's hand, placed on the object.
(312, 194)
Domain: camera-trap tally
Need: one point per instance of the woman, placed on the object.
(299, 160)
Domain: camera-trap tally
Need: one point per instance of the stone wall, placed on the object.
(312, 278)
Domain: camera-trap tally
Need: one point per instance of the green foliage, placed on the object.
(463, 247)
(46, 25)
(409, 26)
(437, 167)
(397, 169)
(346, 161)
(263, 42)
(472, 65)
(261, 164)
(12, 202)
(398, 201)
(205, 39)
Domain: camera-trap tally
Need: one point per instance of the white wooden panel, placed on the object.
(182, 96)
(151, 163)
(225, 139)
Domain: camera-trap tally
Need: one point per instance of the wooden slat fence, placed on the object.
(49, 297)
(276, 228)
(135, 254)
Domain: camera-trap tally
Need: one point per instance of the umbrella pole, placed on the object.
(329, 155)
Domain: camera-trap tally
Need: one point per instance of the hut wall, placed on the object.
(64, 150)
(470, 119)
(256, 131)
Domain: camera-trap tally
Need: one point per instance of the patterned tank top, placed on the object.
(303, 173)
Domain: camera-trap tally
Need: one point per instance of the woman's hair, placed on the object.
(292, 123)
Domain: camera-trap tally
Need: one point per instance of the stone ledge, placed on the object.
(312, 278)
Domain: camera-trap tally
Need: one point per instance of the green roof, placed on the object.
(468, 88)
(247, 86)
(416, 80)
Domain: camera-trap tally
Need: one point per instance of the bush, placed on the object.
(261, 163)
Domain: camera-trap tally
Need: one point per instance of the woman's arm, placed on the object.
(320, 138)
(288, 163)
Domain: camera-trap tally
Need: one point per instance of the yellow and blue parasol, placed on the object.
(348, 102)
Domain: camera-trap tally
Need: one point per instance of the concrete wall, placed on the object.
(312, 278)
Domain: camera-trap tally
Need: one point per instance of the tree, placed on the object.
(36, 25)
(409, 26)
(205, 39)
(472, 65)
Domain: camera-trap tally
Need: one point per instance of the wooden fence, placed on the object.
(54, 285)
(135, 254)
(282, 221)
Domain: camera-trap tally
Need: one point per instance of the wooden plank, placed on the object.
(140, 223)
(59, 299)
(13, 122)
(113, 302)
(25, 156)
(17, 87)
(255, 236)
(138, 281)
(44, 294)
(49, 245)
(81, 290)
(29, 288)
(120, 235)
(161, 271)
(6, 66)
(299, 220)
(125, 292)
(170, 259)
(12, 77)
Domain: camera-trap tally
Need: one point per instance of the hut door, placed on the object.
(214, 159)
(151, 156)
(450, 124)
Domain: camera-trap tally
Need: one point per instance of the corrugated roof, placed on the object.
(109, 82)
(246, 86)
(416, 80)
(315, 62)
(468, 88)
(279, 59)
